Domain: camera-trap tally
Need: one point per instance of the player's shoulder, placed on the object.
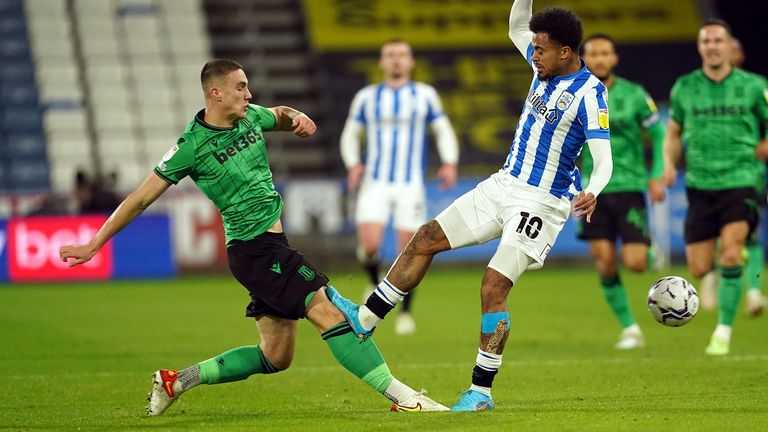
(689, 78)
(418, 85)
(368, 90)
(751, 77)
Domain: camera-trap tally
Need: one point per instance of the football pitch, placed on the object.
(79, 356)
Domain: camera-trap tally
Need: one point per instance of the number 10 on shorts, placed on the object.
(531, 224)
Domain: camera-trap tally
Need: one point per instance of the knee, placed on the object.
(427, 240)
(636, 263)
(281, 359)
(698, 270)
(730, 257)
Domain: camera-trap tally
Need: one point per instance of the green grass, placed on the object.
(79, 356)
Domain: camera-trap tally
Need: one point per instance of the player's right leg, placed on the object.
(756, 301)
(372, 213)
(733, 236)
(362, 358)
(369, 237)
(615, 294)
(273, 354)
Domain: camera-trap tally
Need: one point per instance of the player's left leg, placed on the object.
(273, 354)
(505, 267)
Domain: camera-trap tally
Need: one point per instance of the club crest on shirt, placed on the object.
(602, 118)
(167, 156)
(564, 101)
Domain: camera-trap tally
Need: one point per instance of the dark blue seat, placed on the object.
(19, 94)
(25, 145)
(29, 174)
(16, 48)
(21, 70)
(12, 26)
(21, 120)
(12, 7)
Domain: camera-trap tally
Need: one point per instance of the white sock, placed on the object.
(389, 293)
(634, 328)
(386, 292)
(489, 362)
(367, 318)
(398, 392)
(484, 390)
(723, 331)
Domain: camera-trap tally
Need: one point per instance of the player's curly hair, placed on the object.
(562, 26)
(216, 68)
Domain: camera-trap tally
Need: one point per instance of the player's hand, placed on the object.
(669, 176)
(354, 175)
(448, 174)
(303, 126)
(656, 190)
(584, 205)
(761, 151)
(76, 254)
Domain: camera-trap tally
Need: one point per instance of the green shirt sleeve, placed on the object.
(178, 162)
(676, 111)
(263, 116)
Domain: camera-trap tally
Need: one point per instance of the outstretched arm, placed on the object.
(288, 119)
(133, 205)
(519, 16)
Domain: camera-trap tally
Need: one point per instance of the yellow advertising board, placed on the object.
(353, 25)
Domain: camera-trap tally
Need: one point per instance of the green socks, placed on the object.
(235, 365)
(359, 356)
(729, 294)
(616, 296)
(755, 262)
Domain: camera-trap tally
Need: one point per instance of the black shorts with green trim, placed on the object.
(710, 210)
(618, 215)
(278, 278)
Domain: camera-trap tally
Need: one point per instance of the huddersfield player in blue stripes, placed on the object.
(525, 203)
(394, 116)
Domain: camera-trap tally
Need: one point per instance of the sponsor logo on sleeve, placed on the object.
(651, 104)
(602, 118)
(163, 165)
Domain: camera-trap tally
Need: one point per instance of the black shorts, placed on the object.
(278, 278)
(618, 215)
(709, 211)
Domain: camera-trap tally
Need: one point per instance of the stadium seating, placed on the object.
(22, 145)
(116, 78)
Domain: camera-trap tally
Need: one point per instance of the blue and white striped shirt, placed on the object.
(396, 122)
(558, 117)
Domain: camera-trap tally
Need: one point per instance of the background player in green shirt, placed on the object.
(718, 111)
(224, 152)
(621, 212)
(755, 301)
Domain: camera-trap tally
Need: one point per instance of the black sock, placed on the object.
(407, 302)
(372, 268)
(378, 306)
(482, 377)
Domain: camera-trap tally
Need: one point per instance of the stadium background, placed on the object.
(106, 86)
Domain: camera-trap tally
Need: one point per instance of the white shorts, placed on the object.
(525, 217)
(377, 201)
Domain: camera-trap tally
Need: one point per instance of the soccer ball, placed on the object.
(673, 301)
